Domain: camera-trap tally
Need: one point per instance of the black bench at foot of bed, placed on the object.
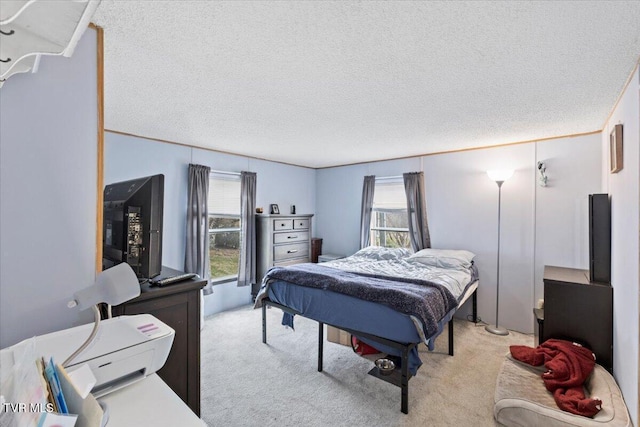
(402, 379)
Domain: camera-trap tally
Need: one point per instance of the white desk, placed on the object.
(149, 402)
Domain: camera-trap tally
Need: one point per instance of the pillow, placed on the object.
(378, 253)
(444, 258)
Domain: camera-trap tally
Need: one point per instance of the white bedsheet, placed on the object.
(397, 263)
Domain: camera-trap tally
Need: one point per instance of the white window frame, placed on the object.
(400, 199)
(232, 176)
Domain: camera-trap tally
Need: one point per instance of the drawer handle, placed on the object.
(292, 251)
(292, 237)
(283, 224)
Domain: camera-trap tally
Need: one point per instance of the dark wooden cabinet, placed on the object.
(177, 305)
(576, 309)
(538, 327)
(316, 248)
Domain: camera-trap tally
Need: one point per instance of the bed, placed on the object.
(389, 298)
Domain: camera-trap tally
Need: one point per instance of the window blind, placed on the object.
(389, 195)
(224, 194)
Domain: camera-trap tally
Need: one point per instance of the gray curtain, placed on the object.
(417, 209)
(196, 257)
(368, 188)
(247, 265)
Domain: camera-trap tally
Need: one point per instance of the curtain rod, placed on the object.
(389, 177)
(225, 172)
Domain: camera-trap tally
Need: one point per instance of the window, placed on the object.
(224, 226)
(389, 216)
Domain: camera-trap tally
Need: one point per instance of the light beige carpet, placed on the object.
(247, 383)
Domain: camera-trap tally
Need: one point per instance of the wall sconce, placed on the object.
(542, 179)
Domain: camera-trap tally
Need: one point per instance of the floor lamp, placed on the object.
(499, 176)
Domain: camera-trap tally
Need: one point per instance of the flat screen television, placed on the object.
(599, 238)
(132, 225)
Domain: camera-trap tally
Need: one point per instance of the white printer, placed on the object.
(126, 349)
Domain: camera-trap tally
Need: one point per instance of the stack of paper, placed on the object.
(42, 394)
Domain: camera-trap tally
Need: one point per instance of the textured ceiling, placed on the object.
(328, 83)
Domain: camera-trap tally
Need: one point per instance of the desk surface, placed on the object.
(147, 291)
(149, 402)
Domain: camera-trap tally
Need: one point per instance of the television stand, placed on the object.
(576, 309)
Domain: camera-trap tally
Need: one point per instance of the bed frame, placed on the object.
(400, 379)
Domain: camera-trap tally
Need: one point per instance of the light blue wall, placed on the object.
(48, 180)
(129, 157)
(462, 207)
(463, 213)
(563, 240)
(126, 157)
(339, 195)
(623, 188)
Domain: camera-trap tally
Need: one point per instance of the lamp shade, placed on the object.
(500, 175)
(113, 286)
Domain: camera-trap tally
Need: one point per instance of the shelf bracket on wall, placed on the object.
(31, 28)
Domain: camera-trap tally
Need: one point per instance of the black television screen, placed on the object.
(132, 225)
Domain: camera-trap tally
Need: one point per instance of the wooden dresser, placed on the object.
(281, 240)
(577, 309)
(177, 305)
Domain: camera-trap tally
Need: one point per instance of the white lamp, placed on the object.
(112, 286)
(499, 176)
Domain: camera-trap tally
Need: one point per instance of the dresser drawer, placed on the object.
(281, 240)
(282, 224)
(301, 224)
(294, 250)
(300, 236)
(290, 262)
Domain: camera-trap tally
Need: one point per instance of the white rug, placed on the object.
(248, 383)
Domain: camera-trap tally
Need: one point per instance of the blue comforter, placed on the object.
(425, 300)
